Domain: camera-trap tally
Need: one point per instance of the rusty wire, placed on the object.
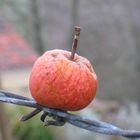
(91, 125)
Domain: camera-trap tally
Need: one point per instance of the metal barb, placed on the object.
(30, 115)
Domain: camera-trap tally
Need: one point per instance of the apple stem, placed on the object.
(75, 41)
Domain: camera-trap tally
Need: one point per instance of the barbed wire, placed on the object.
(91, 125)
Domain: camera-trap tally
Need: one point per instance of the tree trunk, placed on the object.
(134, 10)
(74, 12)
(36, 23)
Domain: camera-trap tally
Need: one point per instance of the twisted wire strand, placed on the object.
(91, 125)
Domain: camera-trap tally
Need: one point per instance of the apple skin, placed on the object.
(58, 82)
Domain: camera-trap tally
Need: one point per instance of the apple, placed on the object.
(63, 80)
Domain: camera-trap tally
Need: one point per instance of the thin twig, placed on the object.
(91, 125)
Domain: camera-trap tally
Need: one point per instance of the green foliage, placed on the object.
(31, 130)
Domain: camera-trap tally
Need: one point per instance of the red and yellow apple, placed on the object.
(58, 82)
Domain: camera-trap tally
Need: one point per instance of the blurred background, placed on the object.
(110, 39)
